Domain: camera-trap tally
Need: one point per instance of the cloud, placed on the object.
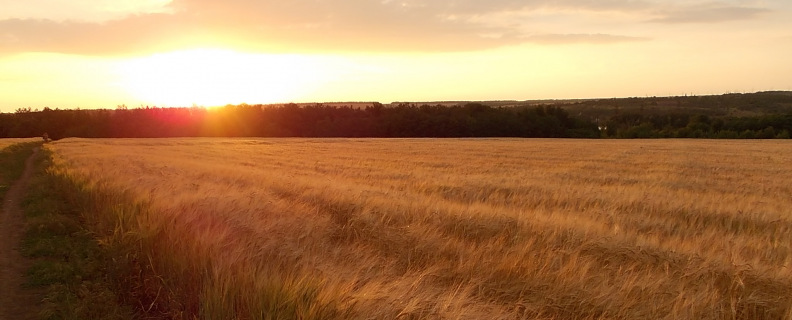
(710, 14)
(157, 32)
(597, 38)
(348, 25)
(117, 37)
(82, 10)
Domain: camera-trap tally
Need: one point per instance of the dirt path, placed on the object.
(16, 302)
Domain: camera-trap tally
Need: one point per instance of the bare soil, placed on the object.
(16, 300)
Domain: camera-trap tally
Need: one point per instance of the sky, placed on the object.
(101, 54)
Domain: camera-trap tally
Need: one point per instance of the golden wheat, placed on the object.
(452, 229)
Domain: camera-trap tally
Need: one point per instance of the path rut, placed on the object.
(16, 301)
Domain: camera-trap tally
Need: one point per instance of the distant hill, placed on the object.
(718, 106)
(725, 105)
(735, 115)
(601, 109)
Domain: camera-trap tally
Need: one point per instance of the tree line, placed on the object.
(679, 125)
(291, 120)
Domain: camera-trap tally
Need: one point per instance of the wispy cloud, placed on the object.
(117, 37)
(352, 25)
(79, 10)
(597, 38)
(710, 14)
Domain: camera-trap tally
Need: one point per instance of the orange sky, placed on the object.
(97, 54)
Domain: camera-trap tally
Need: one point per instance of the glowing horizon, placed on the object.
(197, 52)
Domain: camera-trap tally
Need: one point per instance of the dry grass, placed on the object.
(5, 142)
(452, 229)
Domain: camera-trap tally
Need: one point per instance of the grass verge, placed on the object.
(12, 163)
(69, 263)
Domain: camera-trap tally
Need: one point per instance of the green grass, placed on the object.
(69, 263)
(12, 163)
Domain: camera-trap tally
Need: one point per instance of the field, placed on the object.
(10, 141)
(442, 229)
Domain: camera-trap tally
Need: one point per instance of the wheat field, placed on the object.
(443, 228)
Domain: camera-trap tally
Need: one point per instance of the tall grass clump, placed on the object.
(449, 229)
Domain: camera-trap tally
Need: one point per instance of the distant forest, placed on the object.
(291, 120)
(762, 115)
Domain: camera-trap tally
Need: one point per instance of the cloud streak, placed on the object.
(711, 14)
(350, 25)
(597, 38)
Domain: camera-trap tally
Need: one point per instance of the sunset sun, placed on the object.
(211, 77)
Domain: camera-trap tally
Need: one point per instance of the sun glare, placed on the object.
(213, 77)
